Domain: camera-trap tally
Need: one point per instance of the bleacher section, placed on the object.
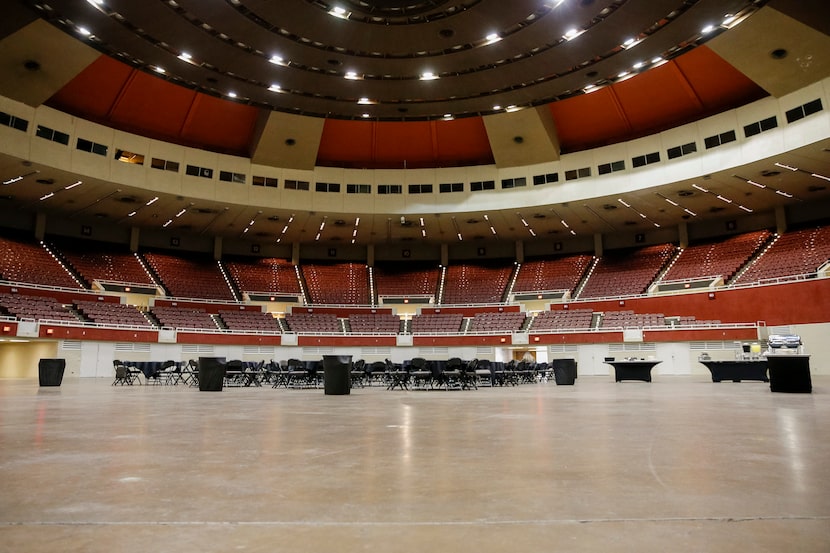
(563, 320)
(249, 320)
(715, 259)
(189, 277)
(374, 323)
(24, 261)
(100, 261)
(406, 279)
(270, 275)
(470, 283)
(497, 322)
(324, 323)
(628, 272)
(562, 273)
(184, 317)
(798, 252)
(629, 319)
(437, 323)
(108, 313)
(35, 307)
(340, 284)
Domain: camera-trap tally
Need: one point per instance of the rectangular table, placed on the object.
(633, 370)
(738, 370)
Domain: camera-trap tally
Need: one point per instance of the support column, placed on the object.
(780, 219)
(683, 233)
(598, 245)
(40, 226)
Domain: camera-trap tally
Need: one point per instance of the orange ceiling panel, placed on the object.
(656, 96)
(346, 143)
(716, 82)
(589, 120)
(405, 144)
(153, 107)
(463, 142)
(220, 125)
(92, 93)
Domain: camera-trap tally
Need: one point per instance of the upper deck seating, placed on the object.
(626, 272)
(562, 273)
(472, 283)
(270, 275)
(101, 261)
(629, 319)
(797, 252)
(406, 279)
(190, 277)
(25, 261)
(718, 258)
(341, 283)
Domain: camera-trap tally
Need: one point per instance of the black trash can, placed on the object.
(337, 375)
(50, 371)
(564, 371)
(211, 374)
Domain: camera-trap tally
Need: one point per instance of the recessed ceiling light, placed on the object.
(158, 69)
(351, 75)
(84, 31)
(232, 94)
(428, 76)
(274, 88)
(276, 60)
(707, 29)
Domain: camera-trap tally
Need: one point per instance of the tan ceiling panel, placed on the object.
(38, 60)
(524, 137)
(801, 51)
(289, 141)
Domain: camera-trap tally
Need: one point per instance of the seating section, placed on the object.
(112, 313)
(498, 322)
(629, 319)
(628, 272)
(190, 277)
(25, 261)
(25, 306)
(341, 283)
(184, 317)
(690, 320)
(250, 320)
(269, 275)
(100, 261)
(437, 323)
(406, 279)
(374, 323)
(326, 323)
(720, 258)
(469, 283)
(793, 253)
(569, 319)
(563, 273)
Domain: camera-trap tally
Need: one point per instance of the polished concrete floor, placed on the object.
(680, 464)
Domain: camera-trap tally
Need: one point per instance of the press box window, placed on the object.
(420, 189)
(228, 176)
(129, 157)
(195, 171)
(390, 189)
(52, 134)
(164, 165)
(327, 187)
(447, 187)
(291, 184)
(513, 183)
(803, 111)
(613, 167)
(92, 147)
(719, 139)
(679, 151)
(545, 179)
(648, 159)
(478, 186)
(13, 122)
(574, 174)
(760, 126)
(358, 189)
(264, 181)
